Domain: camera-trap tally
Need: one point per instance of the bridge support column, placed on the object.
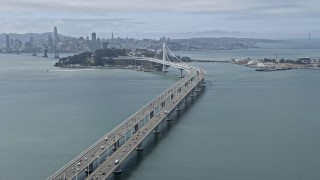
(156, 131)
(163, 104)
(139, 147)
(177, 108)
(172, 96)
(116, 145)
(191, 93)
(181, 73)
(197, 88)
(117, 170)
(89, 169)
(151, 114)
(136, 128)
(202, 83)
(185, 99)
(168, 118)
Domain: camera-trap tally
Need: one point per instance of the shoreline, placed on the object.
(268, 68)
(278, 67)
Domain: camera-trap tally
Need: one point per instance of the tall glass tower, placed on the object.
(55, 42)
(94, 41)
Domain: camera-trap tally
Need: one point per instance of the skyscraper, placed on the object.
(111, 45)
(94, 41)
(98, 44)
(50, 41)
(55, 42)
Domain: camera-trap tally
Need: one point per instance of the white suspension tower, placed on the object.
(164, 52)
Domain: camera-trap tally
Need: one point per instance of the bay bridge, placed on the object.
(105, 156)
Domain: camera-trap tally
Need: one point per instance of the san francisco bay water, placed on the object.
(244, 125)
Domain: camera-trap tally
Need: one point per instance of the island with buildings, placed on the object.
(268, 64)
(112, 57)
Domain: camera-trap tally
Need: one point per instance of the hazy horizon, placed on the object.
(268, 19)
(157, 37)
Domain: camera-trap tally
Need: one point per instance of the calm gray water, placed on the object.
(245, 125)
(47, 118)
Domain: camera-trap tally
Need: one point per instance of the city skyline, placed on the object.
(176, 19)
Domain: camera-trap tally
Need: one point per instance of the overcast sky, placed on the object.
(275, 19)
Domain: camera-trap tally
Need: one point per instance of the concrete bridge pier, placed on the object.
(177, 108)
(117, 170)
(192, 93)
(163, 104)
(197, 88)
(89, 169)
(151, 114)
(136, 128)
(168, 118)
(156, 131)
(202, 83)
(185, 99)
(171, 97)
(181, 73)
(139, 147)
(116, 145)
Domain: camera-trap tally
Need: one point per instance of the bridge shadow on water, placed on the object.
(134, 160)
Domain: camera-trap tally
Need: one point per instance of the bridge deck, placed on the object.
(159, 106)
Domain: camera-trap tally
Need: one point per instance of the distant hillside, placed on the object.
(230, 39)
(223, 43)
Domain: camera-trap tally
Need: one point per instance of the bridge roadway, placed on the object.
(134, 129)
